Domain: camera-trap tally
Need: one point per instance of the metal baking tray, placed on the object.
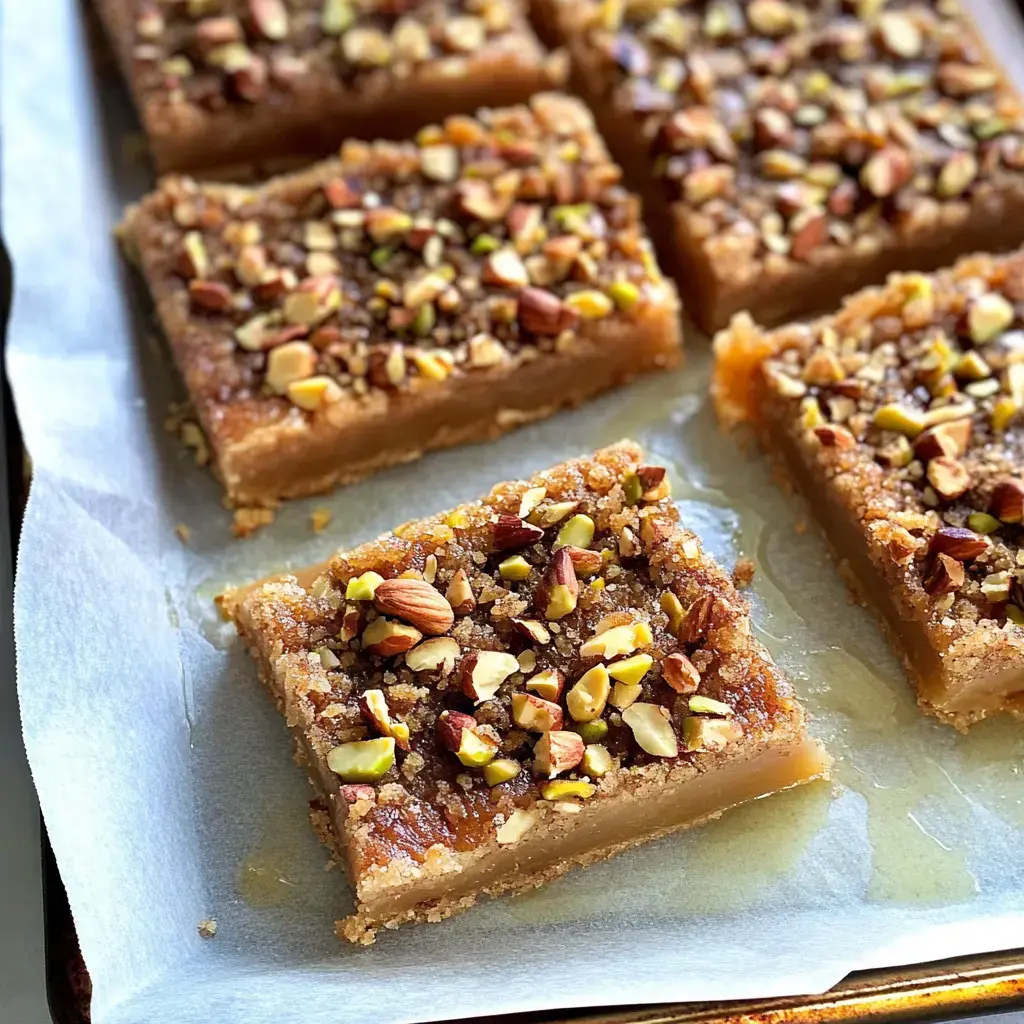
(965, 988)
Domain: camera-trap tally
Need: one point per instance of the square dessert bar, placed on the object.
(405, 297)
(900, 415)
(232, 82)
(533, 681)
(794, 151)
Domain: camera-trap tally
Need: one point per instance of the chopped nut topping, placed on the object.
(473, 704)
(788, 127)
(934, 460)
(330, 289)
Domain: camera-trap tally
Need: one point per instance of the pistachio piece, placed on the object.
(708, 706)
(900, 418)
(631, 670)
(591, 732)
(313, 392)
(652, 729)
(983, 523)
(501, 769)
(362, 588)
(578, 532)
(565, 788)
(362, 760)
(474, 744)
(596, 760)
(587, 698)
(673, 608)
(514, 568)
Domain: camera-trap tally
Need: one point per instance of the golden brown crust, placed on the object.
(773, 195)
(901, 414)
(323, 332)
(205, 107)
(484, 581)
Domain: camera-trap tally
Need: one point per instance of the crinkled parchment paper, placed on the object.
(165, 773)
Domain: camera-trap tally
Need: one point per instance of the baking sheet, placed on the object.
(164, 771)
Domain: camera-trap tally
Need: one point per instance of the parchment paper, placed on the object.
(164, 771)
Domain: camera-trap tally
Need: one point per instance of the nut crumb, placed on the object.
(800, 527)
(743, 573)
(248, 520)
(320, 518)
(207, 928)
(183, 532)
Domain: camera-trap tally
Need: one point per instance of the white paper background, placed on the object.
(164, 771)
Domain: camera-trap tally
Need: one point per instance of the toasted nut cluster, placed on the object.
(920, 415)
(435, 670)
(788, 126)
(400, 266)
(212, 54)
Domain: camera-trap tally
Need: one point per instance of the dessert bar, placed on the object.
(233, 82)
(900, 416)
(407, 296)
(533, 681)
(793, 151)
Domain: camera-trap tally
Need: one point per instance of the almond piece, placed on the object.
(1007, 501)
(533, 630)
(441, 652)
(949, 440)
(534, 714)
(374, 708)
(416, 602)
(557, 751)
(288, 363)
(652, 729)
(654, 483)
(959, 543)
(949, 477)
(542, 312)
(946, 576)
(832, 436)
(588, 696)
(680, 673)
(584, 561)
(386, 638)
(519, 823)
(483, 672)
(513, 532)
(548, 684)
(697, 619)
(460, 594)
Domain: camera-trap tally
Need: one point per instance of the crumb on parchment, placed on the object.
(743, 573)
(184, 532)
(207, 928)
(248, 520)
(320, 518)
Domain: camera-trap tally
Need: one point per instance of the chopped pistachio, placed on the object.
(593, 731)
(500, 770)
(515, 568)
(560, 789)
(631, 670)
(362, 760)
(900, 418)
(982, 522)
(708, 706)
(578, 532)
(362, 588)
